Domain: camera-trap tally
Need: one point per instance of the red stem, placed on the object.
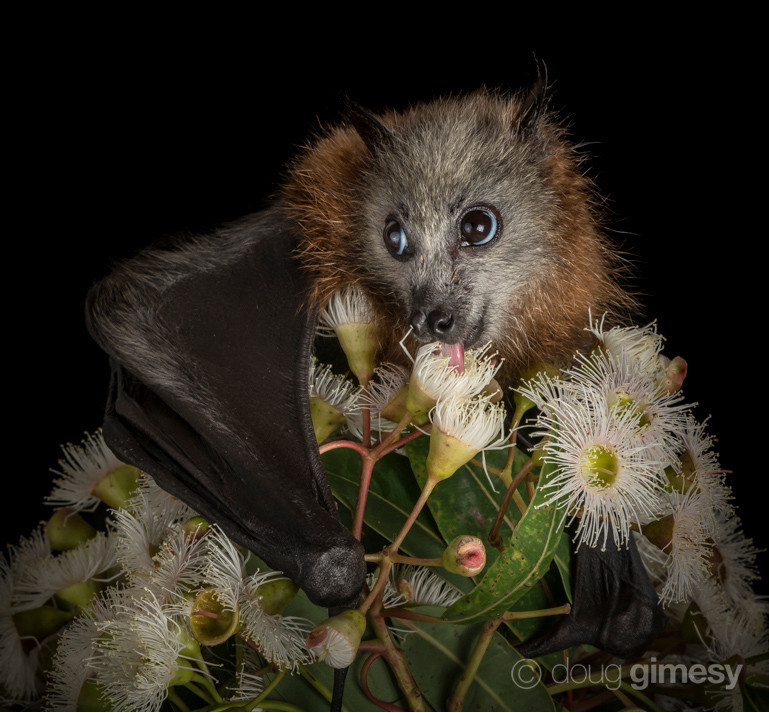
(363, 452)
(364, 684)
(367, 470)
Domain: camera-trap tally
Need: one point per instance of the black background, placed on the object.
(119, 141)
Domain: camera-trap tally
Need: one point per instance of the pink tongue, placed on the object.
(457, 354)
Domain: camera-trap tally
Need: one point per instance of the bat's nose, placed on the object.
(430, 323)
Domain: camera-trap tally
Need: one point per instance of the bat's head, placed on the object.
(468, 218)
(458, 215)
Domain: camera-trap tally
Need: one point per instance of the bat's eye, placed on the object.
(396, 241)
(478, 227)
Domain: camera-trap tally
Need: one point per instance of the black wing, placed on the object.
(615, 606)
(210, 346)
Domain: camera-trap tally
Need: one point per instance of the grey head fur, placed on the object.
(435, 167)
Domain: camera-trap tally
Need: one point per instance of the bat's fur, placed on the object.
(529, 291)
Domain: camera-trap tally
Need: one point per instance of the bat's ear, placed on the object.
(534, 104)
(374, 133)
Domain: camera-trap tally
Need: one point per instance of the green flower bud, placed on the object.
(210, 621)
(337, 639)
(118, 486)
(190, 651)
(465, 555)
(66, 529)
(276, 595)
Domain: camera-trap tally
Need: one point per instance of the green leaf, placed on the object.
(465, 503)
(437, 655)
(523, 563)
(392, 495)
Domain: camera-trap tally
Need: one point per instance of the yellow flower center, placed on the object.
(625, 404)
(600, 466)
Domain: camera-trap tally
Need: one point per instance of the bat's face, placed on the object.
(458, 224)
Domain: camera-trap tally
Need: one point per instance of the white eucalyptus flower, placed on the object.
(421, 586)
(697, 468)
(18, 668)
(336, 640)
(348, 306)
(640, 345)
(279, 638)
(151, 516)
(71, 666)
(180, 566)
(660, 417)
(333, 399)
(62, 573)
(603, 474)
(461, 429)
(385, 399)
(141, 652)
(350, 316)
(435, 378)
(81, 470)
(682, 538)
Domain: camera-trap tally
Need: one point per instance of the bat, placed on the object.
(467, 219)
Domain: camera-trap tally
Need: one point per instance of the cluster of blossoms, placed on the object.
(129, 616)
(122, 618)
(454, 389)
(631, 461)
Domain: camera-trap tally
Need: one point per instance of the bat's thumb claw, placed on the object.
(335, 577)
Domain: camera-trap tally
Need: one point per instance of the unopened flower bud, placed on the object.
(66, 529)
(337, 639)
(465, 555)
(673, 379)
(189, 651)
(117, 486)
(276, 595)
(210, 621)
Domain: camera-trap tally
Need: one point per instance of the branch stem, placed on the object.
(457, 700)
(494, 536)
